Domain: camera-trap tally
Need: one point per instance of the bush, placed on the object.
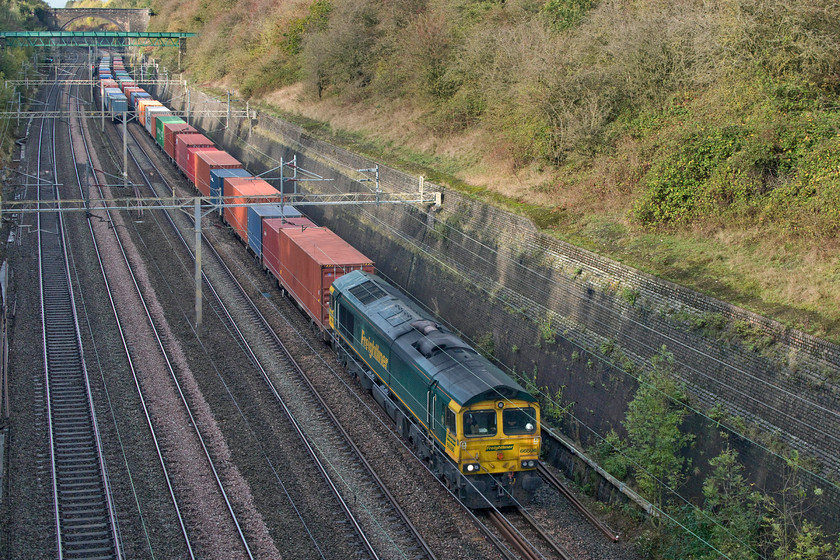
(676, 182)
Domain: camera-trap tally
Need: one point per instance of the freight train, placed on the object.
(475, 427)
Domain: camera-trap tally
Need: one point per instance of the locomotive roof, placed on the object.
(459, 370)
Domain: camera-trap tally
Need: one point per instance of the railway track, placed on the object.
(555, 482)
(522, 532)
(340, 462)
(228, 535)
(80, 140)
(86, 525)
(382, 527)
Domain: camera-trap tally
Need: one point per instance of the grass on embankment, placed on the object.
(743, 255)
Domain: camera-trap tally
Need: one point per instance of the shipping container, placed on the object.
(107, 84)
(270, 244)
(141, 108)
(128, 91)
(306, 261)
(151, 114)
(183, 144)
(185, 141)
(256, 215)
(159, 122)
(136, 97)
(206, 162)
(109, 93)
(239, 190)
(217, 177)
(192, 160)
(117, 103)
(171, 132)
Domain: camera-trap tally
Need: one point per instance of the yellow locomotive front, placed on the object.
(496, 445)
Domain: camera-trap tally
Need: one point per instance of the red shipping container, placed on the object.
(271, 239)
(236, 189)
(170, 133)
(205, 161)
(107, 84)
(185, 141)
(192, 161)
(306, 261)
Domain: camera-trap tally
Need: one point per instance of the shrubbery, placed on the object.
(564, 80)
(15, 16)
(732, 518)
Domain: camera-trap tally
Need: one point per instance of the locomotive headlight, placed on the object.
(529, 464)
(472, 467)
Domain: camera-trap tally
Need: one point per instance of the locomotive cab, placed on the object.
(496, 446)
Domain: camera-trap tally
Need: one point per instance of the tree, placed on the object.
(791, 535)
(343, 54)
(732, 510)
(652, 422)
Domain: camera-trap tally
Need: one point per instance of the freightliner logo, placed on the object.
(374, 351)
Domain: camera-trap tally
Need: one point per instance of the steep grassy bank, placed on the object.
(695, 141)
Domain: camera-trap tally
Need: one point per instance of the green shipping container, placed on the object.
(159, 127)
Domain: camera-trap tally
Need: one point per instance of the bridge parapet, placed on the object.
(127, 19)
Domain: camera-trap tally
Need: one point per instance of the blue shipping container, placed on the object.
(117, 102)
(217, 177)
(109, 92)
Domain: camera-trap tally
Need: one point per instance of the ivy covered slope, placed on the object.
(695, 140)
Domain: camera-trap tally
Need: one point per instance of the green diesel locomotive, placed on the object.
(476, 427)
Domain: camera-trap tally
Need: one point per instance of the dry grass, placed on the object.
(480, 163)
